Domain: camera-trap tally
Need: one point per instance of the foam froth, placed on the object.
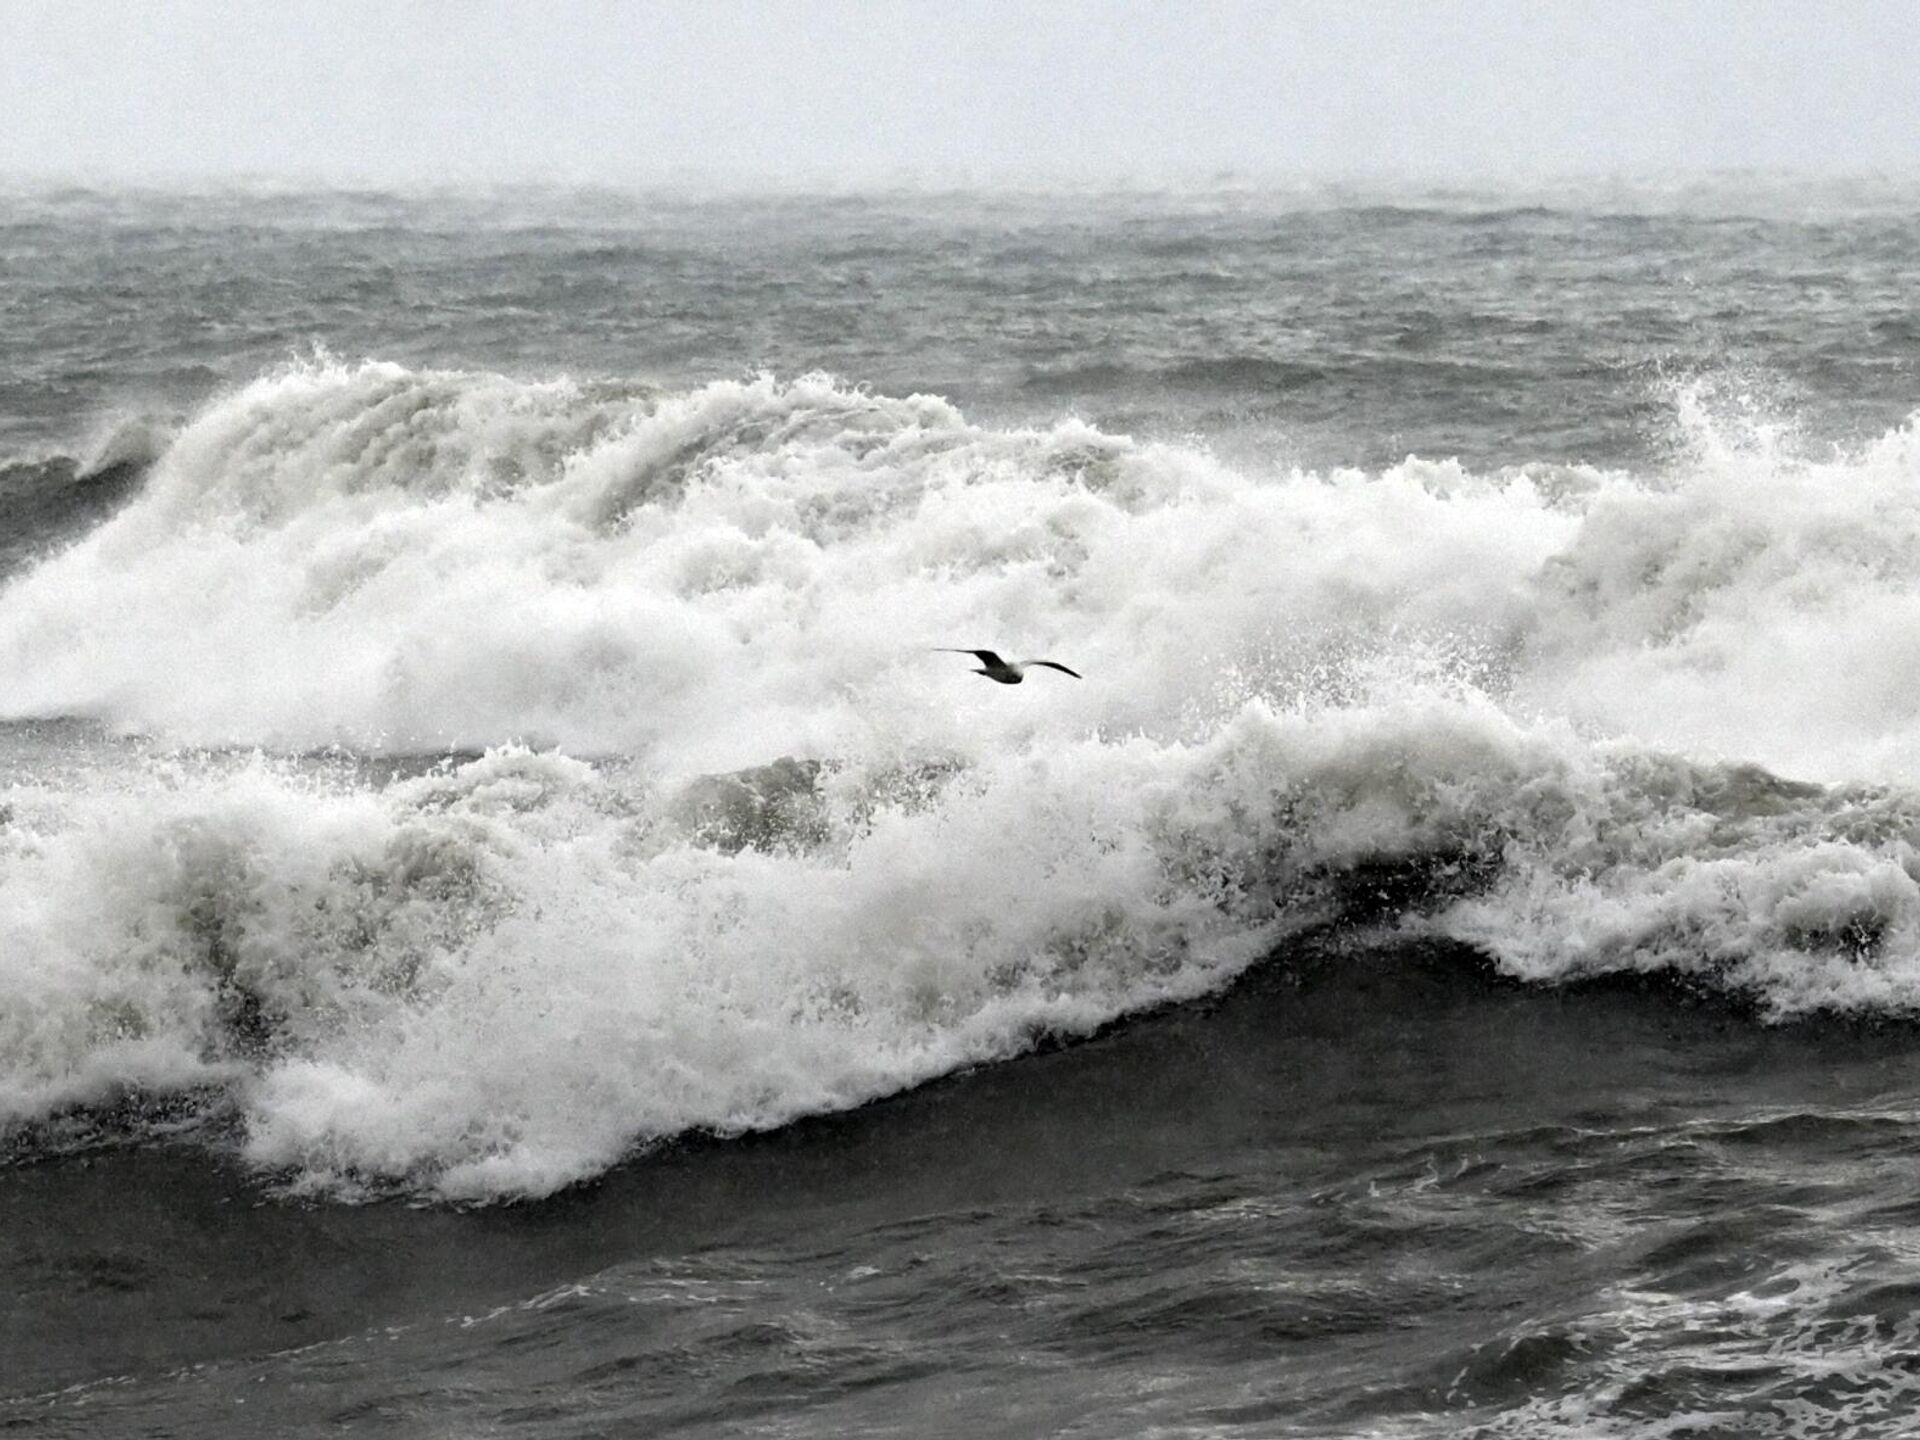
(721, 841)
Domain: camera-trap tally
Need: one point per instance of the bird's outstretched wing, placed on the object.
(987, 657)
(1056, 665)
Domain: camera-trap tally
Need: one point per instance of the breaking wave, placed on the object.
(707, 836)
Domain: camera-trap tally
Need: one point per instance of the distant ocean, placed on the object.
(509, 925)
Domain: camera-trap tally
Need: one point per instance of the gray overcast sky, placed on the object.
(834, 92)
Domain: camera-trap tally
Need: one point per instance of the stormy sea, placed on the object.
(512, 923)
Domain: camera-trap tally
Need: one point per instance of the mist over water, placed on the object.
(472, 727)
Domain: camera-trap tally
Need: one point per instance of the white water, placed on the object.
(495, 977)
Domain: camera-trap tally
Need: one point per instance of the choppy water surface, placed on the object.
(507, 923)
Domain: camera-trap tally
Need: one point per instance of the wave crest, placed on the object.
(807, 860)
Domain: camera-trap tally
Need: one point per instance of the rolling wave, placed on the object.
(718, 841)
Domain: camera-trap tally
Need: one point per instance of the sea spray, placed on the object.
(612, 789)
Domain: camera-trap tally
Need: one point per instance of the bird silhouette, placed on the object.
(1007, 672)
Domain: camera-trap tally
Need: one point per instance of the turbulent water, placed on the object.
(509, 922)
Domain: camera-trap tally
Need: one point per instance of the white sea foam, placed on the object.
(742, 847)
(372, 557)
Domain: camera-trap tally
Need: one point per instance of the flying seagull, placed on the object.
(1007, 672)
